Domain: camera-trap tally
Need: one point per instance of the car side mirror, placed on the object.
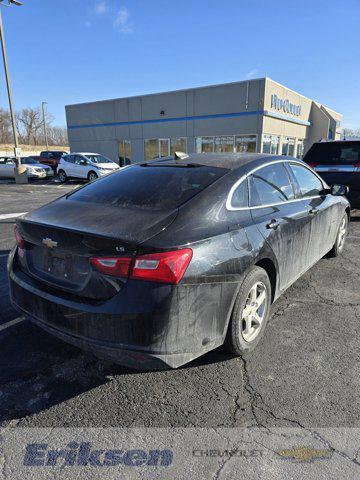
(339, 190)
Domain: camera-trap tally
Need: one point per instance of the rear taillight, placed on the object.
(117, 266)
(166, 267)
(312, 164)
(19, 239)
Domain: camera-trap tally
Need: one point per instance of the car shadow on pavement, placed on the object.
(38, 371)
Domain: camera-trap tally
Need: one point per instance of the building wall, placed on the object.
(245, 107)
(141, 117)
(280, 120)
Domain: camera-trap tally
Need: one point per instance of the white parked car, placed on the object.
(85, 165)
(33, 169)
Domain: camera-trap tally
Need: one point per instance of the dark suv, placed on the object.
(338, 162)
(51, 158)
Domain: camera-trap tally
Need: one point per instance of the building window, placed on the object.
(204, 144)
(178, 144)
(164, 147)
(124, 152)
(271, 144)
(245, 143)
(224, 144)
(288, 146)
(300, 149)
(151, 148)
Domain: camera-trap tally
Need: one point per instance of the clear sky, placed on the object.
(72, 51)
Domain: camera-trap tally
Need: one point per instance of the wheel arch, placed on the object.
(270, 268)
(348, 211)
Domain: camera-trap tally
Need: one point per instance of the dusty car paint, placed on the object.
(153, 325)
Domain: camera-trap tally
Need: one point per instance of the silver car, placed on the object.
(33, 169)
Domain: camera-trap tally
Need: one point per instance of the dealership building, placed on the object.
(253, 115)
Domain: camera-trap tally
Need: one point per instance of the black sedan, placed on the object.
(165, 260)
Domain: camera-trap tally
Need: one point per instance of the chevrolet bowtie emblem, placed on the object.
(49, 243)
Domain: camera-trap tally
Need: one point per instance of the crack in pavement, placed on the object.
(257, 402)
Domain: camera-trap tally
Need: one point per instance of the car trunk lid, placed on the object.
(62, 237)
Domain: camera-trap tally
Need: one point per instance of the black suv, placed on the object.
(338, 162)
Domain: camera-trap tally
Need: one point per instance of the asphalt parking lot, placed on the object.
(306, 373)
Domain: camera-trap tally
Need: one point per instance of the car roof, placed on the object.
(83, 153)
(231, 161)
(344, 140)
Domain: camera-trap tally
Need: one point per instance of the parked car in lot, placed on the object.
(32, 162)
(51, 158)
(338, 162)
(160, 262)
(33, 169)
(83, 165)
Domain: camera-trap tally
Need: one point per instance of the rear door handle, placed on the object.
(273, 224)
(313, 211)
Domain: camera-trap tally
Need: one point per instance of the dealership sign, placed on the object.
(285, 105)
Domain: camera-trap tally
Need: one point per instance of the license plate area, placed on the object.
(58, 265)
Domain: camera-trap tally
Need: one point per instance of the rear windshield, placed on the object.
(337, 152)
(149, 187)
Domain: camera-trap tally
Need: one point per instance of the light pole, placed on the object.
(44, 125)
(20, 170)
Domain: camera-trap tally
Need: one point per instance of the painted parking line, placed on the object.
(11, 323)
(11, 215)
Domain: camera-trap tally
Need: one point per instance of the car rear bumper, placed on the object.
(149, 328)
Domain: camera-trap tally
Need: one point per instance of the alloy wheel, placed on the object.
(254, 312)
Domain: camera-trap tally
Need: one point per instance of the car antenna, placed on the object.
(180, 156)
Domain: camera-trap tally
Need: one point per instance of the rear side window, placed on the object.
(343, 152)
(308, 183)
(240, 196)
(270, 185)
(150, 187)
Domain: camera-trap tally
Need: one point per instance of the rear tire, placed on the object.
(92, 176)
(62, 176)
(250, 314)
(340, 241)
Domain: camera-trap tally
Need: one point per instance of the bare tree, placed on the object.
(6, 134)
(57, 135)
(351, 133)
(30, 123)
(30, 128)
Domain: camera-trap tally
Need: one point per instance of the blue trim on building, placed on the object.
(286, 118)
(190, 118)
